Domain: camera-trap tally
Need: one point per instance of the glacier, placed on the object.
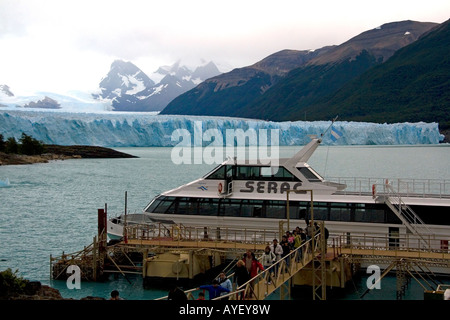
(71, 101)
(138, 129)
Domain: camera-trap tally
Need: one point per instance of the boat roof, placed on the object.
(300, 157)
(256, 162)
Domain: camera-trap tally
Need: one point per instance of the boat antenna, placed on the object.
(125, 234)
(332, 122)
(328, 149)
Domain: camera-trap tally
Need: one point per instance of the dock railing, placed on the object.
(405, 187)
(269, 279)
(180, 232)
(392, 245)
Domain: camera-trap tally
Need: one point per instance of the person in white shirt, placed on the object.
(276, 248)
(268, 258)
(226, 283)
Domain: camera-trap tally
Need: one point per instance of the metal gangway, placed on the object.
(276, 276)
(279, 273)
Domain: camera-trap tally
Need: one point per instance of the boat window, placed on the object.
(294, 212)
(154, 205)
(247, 173)
(340, 212)
(218, 173)
(231, 207)
(277, 174)
(283, 175)
(208, 207)
(251, 173)
(321, 210)
(229, 172)
(433, 215)
(369, 213)
(187, 206)
(357, 212)
(166, 205)
(266, 172)
(309, 174)
(221, 173)
(246, 209)
(315, 173)
(251, 208)
(275, 209)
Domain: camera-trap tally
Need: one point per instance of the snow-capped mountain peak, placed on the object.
(124, 78)
(130, 89)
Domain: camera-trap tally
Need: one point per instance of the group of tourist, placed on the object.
(249, 266)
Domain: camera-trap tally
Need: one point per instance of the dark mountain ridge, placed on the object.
(413, 85)
(227, 93)
(283, 85)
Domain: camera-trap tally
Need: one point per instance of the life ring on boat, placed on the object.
(220, 187)
(374, 190)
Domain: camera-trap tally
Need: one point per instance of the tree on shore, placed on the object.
(2, 143)
(11, 145)
(28, 145)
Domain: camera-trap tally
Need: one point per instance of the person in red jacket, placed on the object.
(252, 264)
(255, 267)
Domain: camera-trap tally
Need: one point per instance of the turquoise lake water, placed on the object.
(50, 208)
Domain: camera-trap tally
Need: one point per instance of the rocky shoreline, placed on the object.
(56, 152)
(14, 287)
(34, 290)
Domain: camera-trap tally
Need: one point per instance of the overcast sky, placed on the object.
(59, 45)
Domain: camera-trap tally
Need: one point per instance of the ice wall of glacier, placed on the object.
(146, 130)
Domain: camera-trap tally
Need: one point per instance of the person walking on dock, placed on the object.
(268, 259)
(226, 283)
(278, 251)
(248, 259)
(297, 244)
(214, 289)
(255, 267)
(286, 250)
(241, 275)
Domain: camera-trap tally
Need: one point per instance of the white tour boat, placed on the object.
(239, 194)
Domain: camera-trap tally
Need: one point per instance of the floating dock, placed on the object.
(177, 252)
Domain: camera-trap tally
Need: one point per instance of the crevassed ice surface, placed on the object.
(114, 129)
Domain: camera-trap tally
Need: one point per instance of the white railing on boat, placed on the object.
(433, 188)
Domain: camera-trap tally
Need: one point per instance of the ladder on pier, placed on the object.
(407, 215)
